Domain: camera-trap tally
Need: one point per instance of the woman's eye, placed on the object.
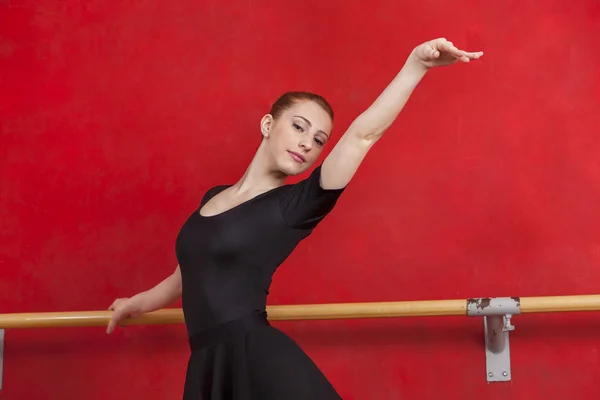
(298, 127)
(319, 141)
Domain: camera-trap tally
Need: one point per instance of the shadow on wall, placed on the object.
(416, 332)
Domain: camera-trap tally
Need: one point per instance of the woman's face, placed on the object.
(297, 137)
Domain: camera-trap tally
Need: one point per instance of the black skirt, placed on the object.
(247, 359)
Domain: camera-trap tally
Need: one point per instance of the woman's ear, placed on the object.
(266, 124)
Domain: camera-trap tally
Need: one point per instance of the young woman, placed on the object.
(230, 246)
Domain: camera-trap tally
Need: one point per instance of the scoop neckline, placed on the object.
(230, 210)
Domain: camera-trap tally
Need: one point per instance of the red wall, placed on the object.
(115, 118)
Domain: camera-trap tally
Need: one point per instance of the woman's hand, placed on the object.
(123, 308)
(439, 53)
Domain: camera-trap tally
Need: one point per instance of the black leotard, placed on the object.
(227, 262)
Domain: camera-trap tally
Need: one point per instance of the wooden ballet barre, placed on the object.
(425, 308)
(497, 313)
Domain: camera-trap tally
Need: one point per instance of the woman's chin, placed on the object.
(293, 168)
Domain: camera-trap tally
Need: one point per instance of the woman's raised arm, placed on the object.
(341, 164)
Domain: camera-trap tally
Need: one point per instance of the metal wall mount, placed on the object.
(1, 354)
(497, 314)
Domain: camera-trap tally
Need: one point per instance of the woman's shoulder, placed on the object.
(211, 192)
(305, 203)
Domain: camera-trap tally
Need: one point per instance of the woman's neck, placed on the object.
(261, 175)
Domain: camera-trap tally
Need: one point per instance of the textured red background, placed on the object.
(115, 118)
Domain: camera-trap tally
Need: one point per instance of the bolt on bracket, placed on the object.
(497, 314)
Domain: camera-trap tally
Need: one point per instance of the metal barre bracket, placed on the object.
(497, 313)
(1, 354)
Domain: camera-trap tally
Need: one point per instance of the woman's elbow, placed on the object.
(366, 129)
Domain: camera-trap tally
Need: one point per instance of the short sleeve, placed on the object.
(306, 203)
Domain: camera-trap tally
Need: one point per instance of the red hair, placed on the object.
(288, 99)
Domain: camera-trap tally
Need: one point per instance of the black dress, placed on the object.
(227, 262)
